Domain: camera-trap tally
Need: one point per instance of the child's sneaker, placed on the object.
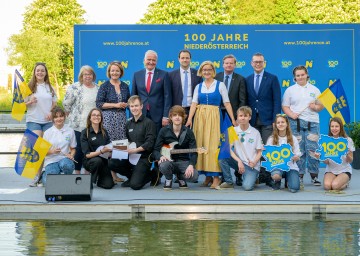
(316, 182)
(168, 185)
(183, 184)
(35, 181)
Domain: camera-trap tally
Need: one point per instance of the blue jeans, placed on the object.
(225, 165)
(305, 145)
(249, 177)
(292, 178)
(64, 165)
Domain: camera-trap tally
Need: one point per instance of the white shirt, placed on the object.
(344, 166)
(252, 143)
(299, 97)
(88, 103)
(63, 139)
(204, 89)
(189, 92)
(261, 74)
(37, 112)
(295, 149)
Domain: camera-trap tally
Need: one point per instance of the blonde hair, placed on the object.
(81, 73)
(207, 62)
(245, 109)
(115, 63)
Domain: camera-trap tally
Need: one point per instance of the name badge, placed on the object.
(130, 130)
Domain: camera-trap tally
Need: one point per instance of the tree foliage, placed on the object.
(47, 36)
(329, 11)
(187, 12)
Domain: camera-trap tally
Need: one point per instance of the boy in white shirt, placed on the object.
(246, 155)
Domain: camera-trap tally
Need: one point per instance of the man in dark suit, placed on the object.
(234, 82)
(236, 86)
(153, 87)
(264, 98)
(179, 77)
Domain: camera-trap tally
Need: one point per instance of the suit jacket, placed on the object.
(159, 99)
(268, 100)
(237, 92)
(176, 85)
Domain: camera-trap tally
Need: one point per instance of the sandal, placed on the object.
(118, 179)
(208, 181)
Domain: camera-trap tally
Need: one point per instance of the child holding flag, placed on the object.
(246, 155)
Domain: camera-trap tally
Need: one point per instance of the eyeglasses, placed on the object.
(88, 74)
(258, 62)
(207, 70)
(283, 115)
(242, 139)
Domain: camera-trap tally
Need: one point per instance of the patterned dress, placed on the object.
(114, 118)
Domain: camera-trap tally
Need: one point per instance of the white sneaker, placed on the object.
(34, 182)
(316, 182)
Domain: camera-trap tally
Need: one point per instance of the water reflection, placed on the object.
(193, 237)
(10, 143)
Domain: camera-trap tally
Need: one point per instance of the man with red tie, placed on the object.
(154, 88)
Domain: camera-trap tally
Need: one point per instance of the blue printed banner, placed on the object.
(277, 157)
(332, 148)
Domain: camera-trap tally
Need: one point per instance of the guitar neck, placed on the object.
(182, 151)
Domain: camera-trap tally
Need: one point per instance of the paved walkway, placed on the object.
(17, 197)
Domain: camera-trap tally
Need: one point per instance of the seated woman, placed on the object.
(95, 158)
(282, 135)
(337, 176)
(59, 158)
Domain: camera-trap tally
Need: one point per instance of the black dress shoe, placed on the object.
(238, 181)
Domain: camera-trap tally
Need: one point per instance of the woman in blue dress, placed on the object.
(205, 108)
(112, 99)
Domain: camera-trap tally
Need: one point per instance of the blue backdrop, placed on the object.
(328, 51)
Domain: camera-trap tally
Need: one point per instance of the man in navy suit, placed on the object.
(153, 87)
(264, 98)
(179, 77)
(234, 82)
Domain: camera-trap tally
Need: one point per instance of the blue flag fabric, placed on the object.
(335, 101)
(31, 154)
(227, 137)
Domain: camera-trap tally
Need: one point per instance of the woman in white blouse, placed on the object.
(79, 99)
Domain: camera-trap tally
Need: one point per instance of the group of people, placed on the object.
(173, 116)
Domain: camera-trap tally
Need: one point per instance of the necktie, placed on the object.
(148, 82)
(257, 84)
(227, 82)
(186, 85)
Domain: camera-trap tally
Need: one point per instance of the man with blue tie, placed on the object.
(264, 98)
(153, 87)
(234, 82)
(183, 81)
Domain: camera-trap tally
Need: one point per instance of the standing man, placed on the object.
(140, 130)
(234, 83)
(264, 98)
(183, 81)
(153, 87)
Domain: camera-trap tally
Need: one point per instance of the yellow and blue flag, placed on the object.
(335, 101)
(21, 91)
(31, 154)
(227, 137)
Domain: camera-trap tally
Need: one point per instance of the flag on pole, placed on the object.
(335, 101)
(227, 137)
(20, 92)
(31, 154)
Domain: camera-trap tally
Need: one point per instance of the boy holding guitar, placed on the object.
(181, 160)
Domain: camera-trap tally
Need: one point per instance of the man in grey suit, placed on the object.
(184, 78)
(234, 82)
(236, 86)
